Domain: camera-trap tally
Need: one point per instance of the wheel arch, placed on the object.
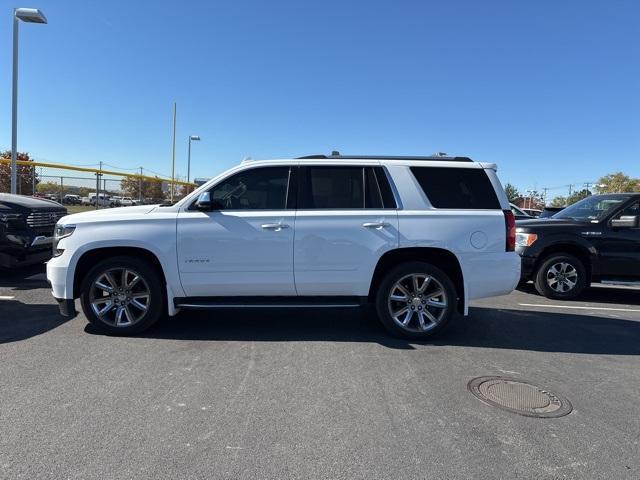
(578, 251)
(89, 258)
(444, 259)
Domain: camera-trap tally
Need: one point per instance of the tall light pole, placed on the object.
(173, 154)
(29, 15)
(195, 138)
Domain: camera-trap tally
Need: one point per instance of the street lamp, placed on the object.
(29, 15)
(195, 138)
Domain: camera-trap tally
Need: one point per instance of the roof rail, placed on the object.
(437, 158)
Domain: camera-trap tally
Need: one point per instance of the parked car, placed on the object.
(70, 199)
(594, 240)
(550, 211)
(418, 237)
(85, 201)
(103, 200)
(518, 213)
(532, 212)
(121, 202)
(26, 229)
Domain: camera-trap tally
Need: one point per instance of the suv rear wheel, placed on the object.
(122, 295)
(415, 300)
(561, 276)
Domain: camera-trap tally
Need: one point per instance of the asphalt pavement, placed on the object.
(316, 394)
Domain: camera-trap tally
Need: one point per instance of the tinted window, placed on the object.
(388, 199)
(373, 198)
(463, 188)
(331, 187)
(255, 189)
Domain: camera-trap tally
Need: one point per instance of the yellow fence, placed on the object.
(57, 180)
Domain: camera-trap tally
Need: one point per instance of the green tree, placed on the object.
(512, 192)
(577, 196)
(618, 182)
(558, 201)
(27, 175)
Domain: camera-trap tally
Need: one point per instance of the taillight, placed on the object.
(510, 226)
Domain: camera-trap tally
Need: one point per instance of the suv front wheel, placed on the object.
(122, 295)
(415, 300)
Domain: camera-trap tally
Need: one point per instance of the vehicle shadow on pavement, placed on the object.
(595, 294)
(19, 321)
(24, 278)
(484, 327)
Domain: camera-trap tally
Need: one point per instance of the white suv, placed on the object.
(419, 237)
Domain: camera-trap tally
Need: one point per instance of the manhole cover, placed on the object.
(520, 397)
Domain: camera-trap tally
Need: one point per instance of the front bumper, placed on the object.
(67, 307)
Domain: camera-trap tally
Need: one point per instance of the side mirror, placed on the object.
(204, 202)
(626, 221)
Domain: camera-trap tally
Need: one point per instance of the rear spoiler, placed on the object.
(489, 166)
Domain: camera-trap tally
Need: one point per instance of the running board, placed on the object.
(269, 302)
(628, 283)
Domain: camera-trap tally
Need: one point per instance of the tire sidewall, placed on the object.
(543, 287)
(384, 288)
(156, 288)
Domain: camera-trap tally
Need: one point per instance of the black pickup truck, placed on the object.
(594, 240)
(26, 229)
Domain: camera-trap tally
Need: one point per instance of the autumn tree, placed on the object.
(151, 188)
(27, 175)
(618, 182)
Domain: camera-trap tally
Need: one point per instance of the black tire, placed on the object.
(413, 330)
(572, 281)
(150, 281)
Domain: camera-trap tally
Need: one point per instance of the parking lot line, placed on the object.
(575, 307)
(6, 297)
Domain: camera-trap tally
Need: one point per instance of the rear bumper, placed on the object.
(490, 274)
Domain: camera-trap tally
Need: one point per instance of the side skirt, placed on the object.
(269, 302)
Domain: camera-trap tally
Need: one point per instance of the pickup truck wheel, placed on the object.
(122, 296)
(561, 276)
(415, 300)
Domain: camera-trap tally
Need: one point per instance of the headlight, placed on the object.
(525, 239)
(61, 231)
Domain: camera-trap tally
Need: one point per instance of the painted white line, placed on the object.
(6, 297)
(579, 308)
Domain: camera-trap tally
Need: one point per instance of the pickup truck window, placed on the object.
(457, 188)
(255, 189)
(591, 208)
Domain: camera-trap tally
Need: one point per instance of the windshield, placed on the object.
(591, 209)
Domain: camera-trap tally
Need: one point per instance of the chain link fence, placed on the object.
(91, 187)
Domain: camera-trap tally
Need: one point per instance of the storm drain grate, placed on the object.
(519, 397)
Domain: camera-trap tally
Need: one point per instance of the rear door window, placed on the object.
(457, 188)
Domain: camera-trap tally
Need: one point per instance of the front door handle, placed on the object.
(274, 226)
(375, 224)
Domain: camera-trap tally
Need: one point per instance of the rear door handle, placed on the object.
(375, 224)
(274, 226)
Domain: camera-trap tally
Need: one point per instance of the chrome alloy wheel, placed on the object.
(119, 297)
(417, 302)
(562, 277)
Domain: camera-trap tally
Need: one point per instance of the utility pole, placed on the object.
(173, 155)
(140, 188)
(544, 195)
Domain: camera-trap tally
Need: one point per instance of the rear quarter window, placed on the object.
(457, 188)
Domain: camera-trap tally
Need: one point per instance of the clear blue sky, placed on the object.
(549, 90)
